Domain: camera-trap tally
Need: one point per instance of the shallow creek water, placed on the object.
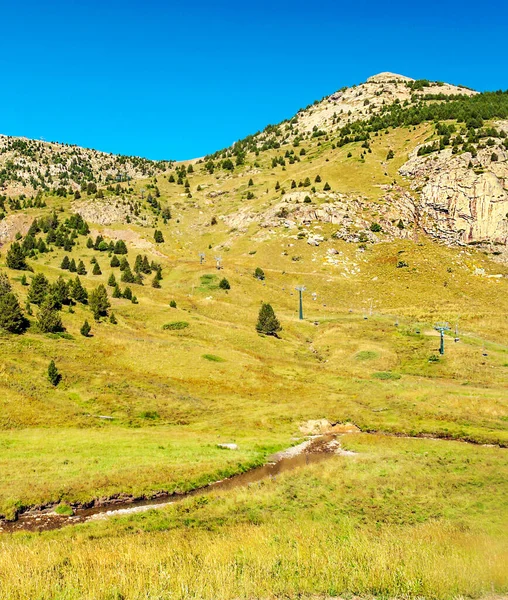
(310, 452)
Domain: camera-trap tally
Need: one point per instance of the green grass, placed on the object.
(380, 523)
(403, 518)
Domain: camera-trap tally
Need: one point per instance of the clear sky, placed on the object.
(166, 79)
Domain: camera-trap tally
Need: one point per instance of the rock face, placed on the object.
(462, 199)
(105, 212)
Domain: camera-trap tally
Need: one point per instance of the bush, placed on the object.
(172, 303)
(375, 227)
(213, 358)
(259, 273)
(385, 375)
(224, 284)
(175, 325)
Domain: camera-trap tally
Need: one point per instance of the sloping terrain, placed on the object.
(388, 202)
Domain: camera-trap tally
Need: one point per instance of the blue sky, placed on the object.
(179, 80)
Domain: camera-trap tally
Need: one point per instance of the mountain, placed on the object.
(450, 182)
(153, 341)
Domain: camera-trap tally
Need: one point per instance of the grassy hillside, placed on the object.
(142, 403)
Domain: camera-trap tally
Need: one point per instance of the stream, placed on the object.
(310, 452)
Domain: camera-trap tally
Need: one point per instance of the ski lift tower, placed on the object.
(201, 257)
(300, 289)
(441, 327)
(218, 260)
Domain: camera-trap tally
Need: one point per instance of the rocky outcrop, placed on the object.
(106, 212)
(461, 198)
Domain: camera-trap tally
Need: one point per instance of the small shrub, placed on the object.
(213, 358)
(175, 325)
(385, 375)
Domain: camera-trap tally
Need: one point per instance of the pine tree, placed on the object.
(53, 374)
(224, 284)
(96, 269)
(267, 321)
(11, 316)
(318, 179)
(65, 262)
(48, 319)
(117, 292)
(114, 262)
(155, 282)
(5, 284)
(77, 292)
(112, 319)
(81, 270)
(127, 276)
(327, 187)
(124, 264)
(85, 329)
(16, 258)
(112, 280)
(23, 280)
(146, 266)
(127, 293)
(38, 289)
(138, 264)
(120, 247)
(60, 292)
(72, 266)
(99, 302)
(158, 237)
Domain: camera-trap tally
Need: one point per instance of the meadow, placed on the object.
(143, 404)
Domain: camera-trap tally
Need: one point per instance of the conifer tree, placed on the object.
(72, 266)
(127, 276)
(77, 292)
(99, 302)
(127, 293)
(112, 319)
(267, 321)
(224, 284)
(117, 292)
(53, 374)
(11, 315)
(81, 270)
(155, 282)
(48, 319)
(115, 262)
(65, 263)
(38, 289)
(16, 258)
(327, 187)
(112, 280)
(96, 269)
(158, 237)
(85, 329)
(60, 291)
